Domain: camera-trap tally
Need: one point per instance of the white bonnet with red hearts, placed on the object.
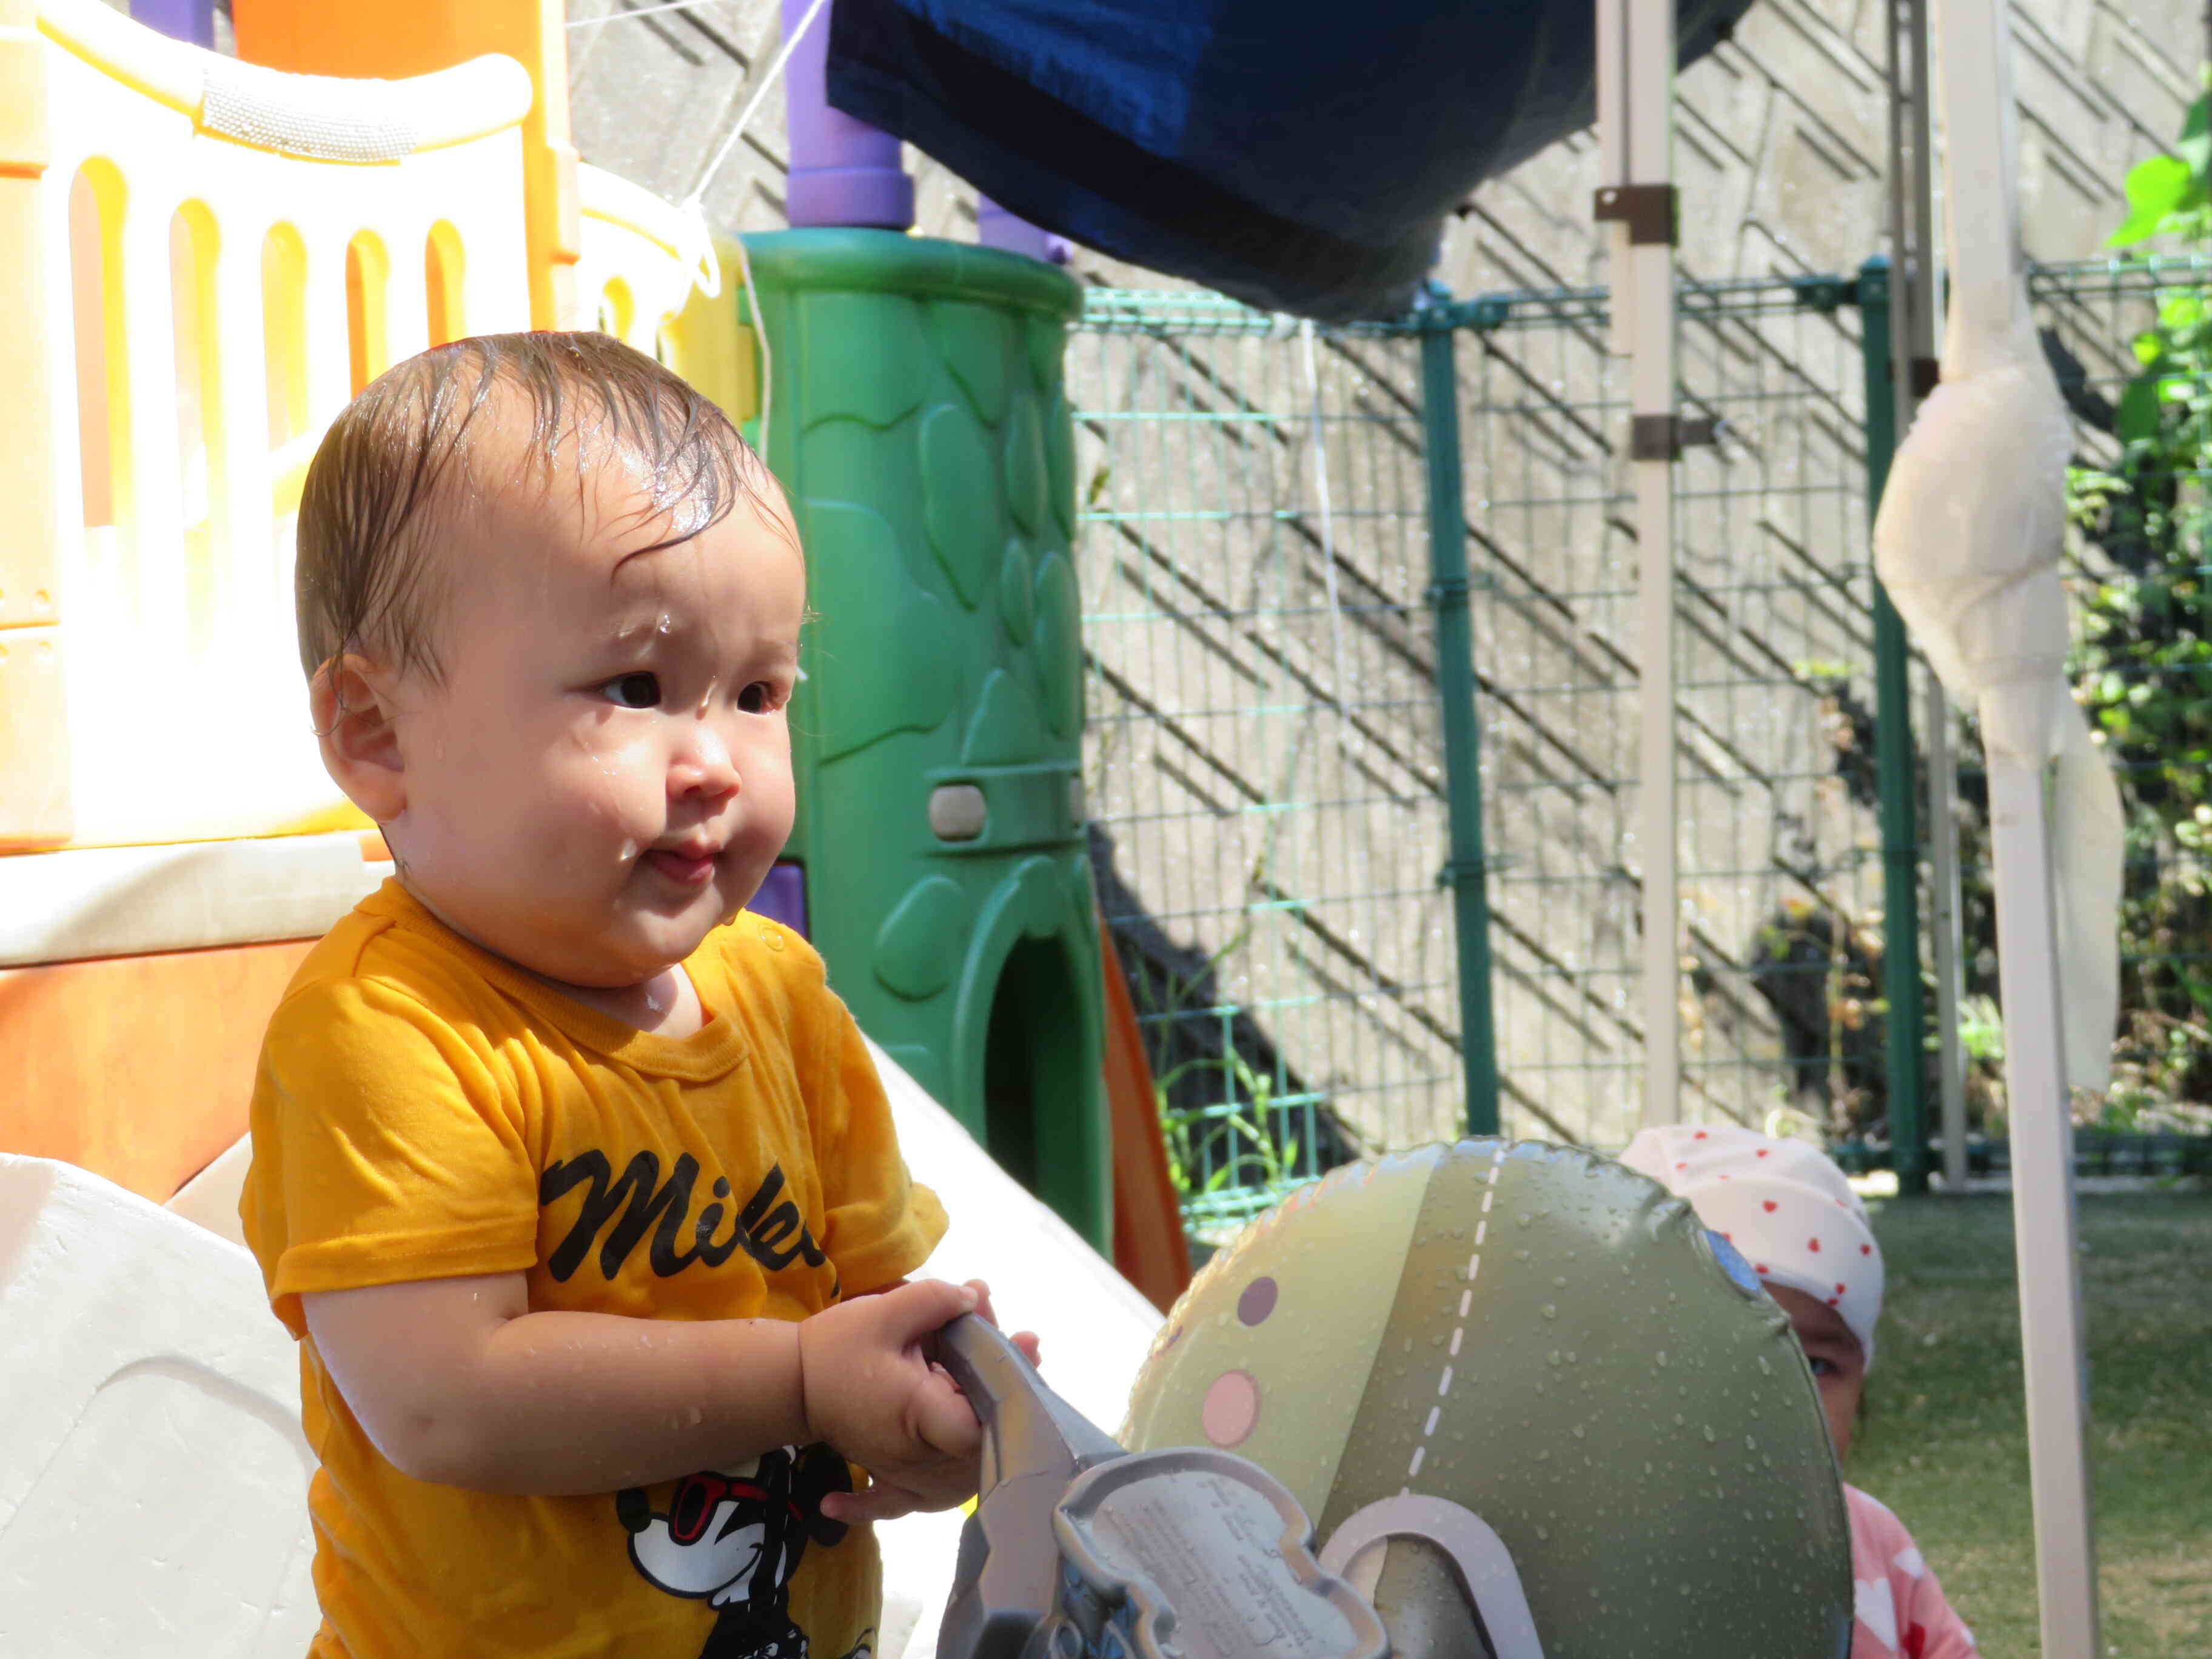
(1784, 1204)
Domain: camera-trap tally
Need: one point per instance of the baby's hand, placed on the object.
(873, 1394)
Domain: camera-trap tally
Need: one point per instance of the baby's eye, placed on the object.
(759, 698)
(1821, 1367)
(638, 690)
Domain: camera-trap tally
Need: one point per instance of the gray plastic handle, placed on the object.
(1079, 1551)
(1027, 1428)
(1006, 1585)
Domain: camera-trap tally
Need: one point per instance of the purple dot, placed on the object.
(1257, 1301)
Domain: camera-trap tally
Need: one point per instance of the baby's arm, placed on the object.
(456, 1381)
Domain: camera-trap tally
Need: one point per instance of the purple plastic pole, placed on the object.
(190, 20)
(996, 228)
(843, 171)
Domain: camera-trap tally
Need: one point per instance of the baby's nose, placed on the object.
(704, 764)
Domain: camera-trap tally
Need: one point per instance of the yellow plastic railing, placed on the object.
(201, 261)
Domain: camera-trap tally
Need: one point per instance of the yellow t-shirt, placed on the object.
(425, 1110)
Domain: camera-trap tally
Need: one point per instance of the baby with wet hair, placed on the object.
(576, 1182)
(1792, 1215)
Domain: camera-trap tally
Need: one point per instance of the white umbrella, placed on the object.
(1967, 542)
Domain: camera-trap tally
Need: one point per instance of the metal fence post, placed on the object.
(1467, 870)
(1906, 1059)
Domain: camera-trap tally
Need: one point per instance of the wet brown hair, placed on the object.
(396, 463)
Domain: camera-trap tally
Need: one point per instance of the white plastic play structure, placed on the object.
(152, 1478)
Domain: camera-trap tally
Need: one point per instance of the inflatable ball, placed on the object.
(1530, 1404)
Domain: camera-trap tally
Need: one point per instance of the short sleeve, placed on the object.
(1929, 1626)
(384, 1151)
(880, 1225)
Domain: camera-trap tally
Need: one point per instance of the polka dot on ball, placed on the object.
(1258, 1300)
(1231, 1409)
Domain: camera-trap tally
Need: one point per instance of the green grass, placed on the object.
(1944, 1443)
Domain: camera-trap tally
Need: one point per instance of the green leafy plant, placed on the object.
(2145, 665)
(1224, 1115)
(1239, 1138)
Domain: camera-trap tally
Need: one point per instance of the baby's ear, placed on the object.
(352, 700)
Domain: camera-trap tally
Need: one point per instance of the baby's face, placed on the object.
(604, 774)
(1839, 1366)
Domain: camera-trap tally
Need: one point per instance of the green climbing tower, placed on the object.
(916, 415)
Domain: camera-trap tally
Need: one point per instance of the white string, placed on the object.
(768, 81)
(641, 11)
(691, 204)
(760, 339)
(1328, 530)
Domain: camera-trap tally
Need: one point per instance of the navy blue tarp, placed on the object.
(1301, 157)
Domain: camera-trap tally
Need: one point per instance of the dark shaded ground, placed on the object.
(1945, 1440)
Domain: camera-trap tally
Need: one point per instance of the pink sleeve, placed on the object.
(1901, 1612)
(1931, 1630)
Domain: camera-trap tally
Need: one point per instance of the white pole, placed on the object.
(1945, 924)
(1981, 205)
(2043, 1232)
(1635, 86)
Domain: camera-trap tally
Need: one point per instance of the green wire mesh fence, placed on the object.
(1262, 770)
(1266, 766)
(1777, 839)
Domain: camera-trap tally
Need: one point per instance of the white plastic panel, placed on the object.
(152, 1478)
(131, 901)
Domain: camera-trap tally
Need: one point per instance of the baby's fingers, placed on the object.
(881, 1501)
(1025, 1340)
(942, 1417)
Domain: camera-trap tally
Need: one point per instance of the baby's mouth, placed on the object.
(684, 868)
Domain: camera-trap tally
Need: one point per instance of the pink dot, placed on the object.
(1231, 1409)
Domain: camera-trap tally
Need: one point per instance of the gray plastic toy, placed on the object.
(1081, 1550)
